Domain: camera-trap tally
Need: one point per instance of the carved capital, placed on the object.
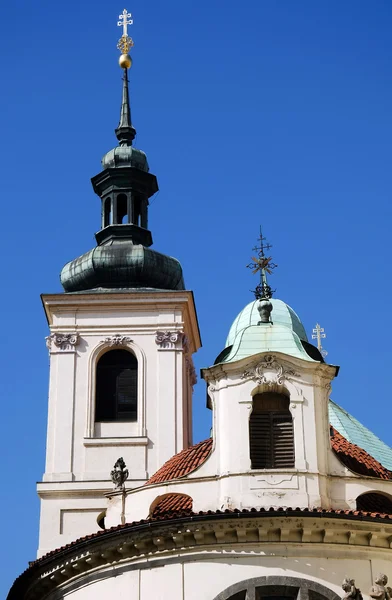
(62, 342)
(269, 372)
(169, 340)
(117, 340)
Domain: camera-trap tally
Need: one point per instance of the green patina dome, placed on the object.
(285, 333)
(282, 314)
(125, 156)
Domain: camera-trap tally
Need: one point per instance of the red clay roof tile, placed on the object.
(356, 459)
(183, 463)
(178, 503)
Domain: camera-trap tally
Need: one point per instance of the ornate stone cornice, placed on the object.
(306, 532)
(117, 340)
(169, 340)
(62, 342)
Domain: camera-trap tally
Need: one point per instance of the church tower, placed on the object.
(121, 343)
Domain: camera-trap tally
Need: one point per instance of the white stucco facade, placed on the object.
(161, 330)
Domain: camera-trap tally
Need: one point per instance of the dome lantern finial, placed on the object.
(263, 264)
(125, 132)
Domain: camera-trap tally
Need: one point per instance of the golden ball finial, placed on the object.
(125, 61)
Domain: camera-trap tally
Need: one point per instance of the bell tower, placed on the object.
(121, 341)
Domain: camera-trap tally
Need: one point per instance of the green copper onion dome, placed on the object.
(123, 258)
(283, 333)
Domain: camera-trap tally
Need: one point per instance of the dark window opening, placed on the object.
(373, 502)
(116, 387)
(122, 209)
(137, 210)
(271, 433)
(107, 212)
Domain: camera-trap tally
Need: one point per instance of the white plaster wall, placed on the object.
(80, 450)
(204, 574)
(112, 584)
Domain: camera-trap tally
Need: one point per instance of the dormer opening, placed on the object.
(271, 432)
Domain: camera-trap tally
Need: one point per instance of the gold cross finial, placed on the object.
(125, 43)
(318, 334)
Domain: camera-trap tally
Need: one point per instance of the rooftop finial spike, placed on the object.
(262, 264)
(125, 132)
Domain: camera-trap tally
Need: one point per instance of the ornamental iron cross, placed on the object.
(262, 264)
(318, 334)
(125, 20)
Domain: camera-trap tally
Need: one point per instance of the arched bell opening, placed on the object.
(122, 209)
(107, 212)
(116, 387)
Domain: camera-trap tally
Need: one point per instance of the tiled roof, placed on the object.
(352, 456)
(356, 459)
(178, 503)
(183, 463)
(210, 514)
(182, 517)
(360, 435)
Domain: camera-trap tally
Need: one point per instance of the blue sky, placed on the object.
(275, 113)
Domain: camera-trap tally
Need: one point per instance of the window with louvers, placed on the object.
(271, 433)
(116, 387)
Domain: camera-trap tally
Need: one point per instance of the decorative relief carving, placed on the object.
(62, 341)
(119, 475)
(117, 340)
(169, 340)
(269, 372)
(351, 592)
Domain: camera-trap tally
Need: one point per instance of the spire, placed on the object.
(125, 132)
(263, 264)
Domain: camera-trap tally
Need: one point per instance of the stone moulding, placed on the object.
(306, 530)
(62, 342)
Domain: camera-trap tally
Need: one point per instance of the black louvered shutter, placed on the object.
(271, 437)
(283, 441)
(126, 395)
(260, 441)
